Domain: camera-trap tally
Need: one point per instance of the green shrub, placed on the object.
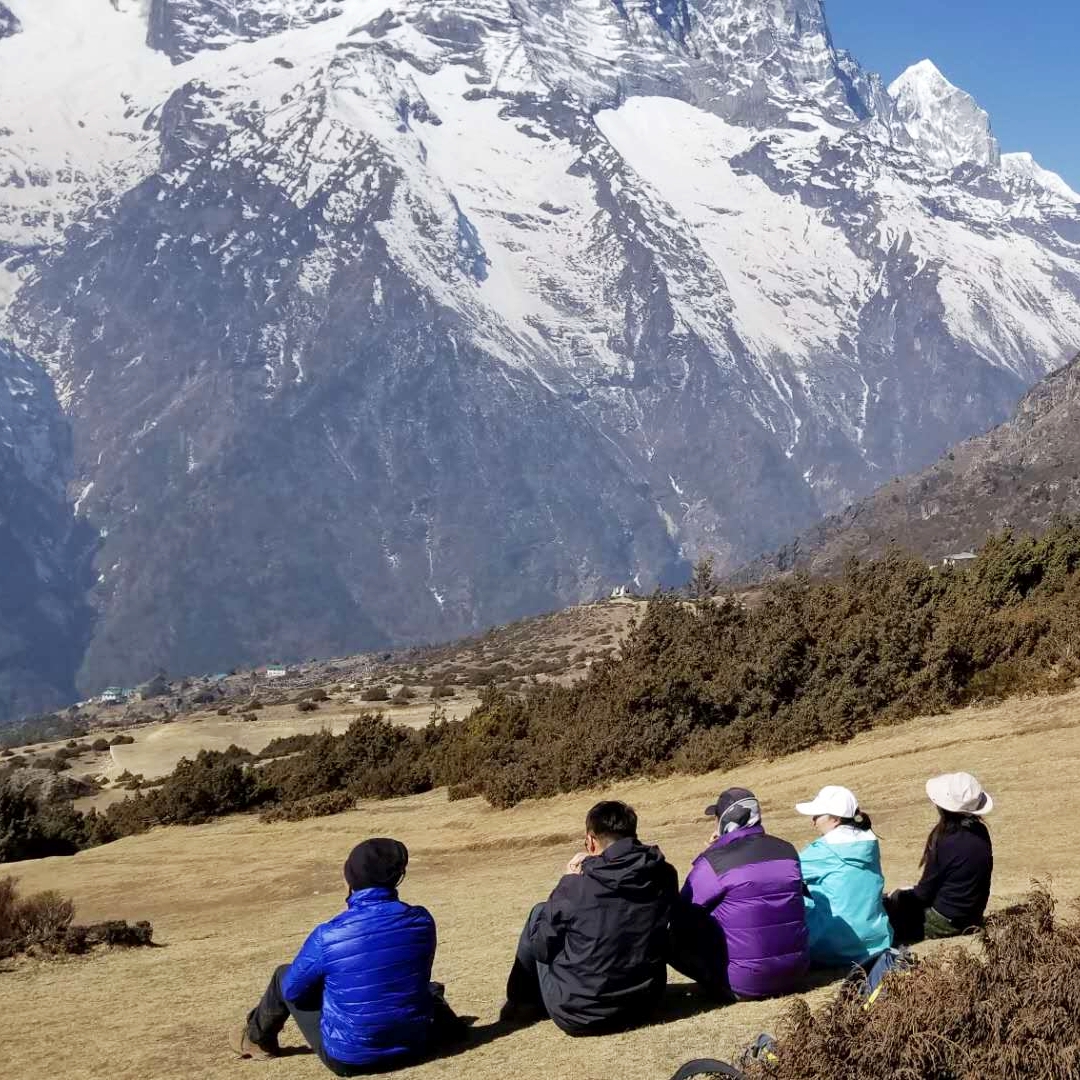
(42, 924)
(284, 745)
(333, 802)
(375, 693)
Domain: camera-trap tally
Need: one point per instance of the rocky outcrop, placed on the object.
(9, 25)
(183, 28)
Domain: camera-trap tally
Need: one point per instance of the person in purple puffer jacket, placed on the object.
(739, 930)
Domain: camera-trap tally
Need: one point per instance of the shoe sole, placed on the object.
(246, 1050)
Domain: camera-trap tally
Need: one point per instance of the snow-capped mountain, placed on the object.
(947, 125)
(384, 323)
(1022, 166)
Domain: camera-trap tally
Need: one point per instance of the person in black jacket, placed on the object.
(957, 865)
(593, 956)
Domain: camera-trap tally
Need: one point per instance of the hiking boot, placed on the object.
(247, 1047)
(519, 1012)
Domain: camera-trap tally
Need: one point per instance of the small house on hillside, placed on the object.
(113, 695)
(960, 559)
(276, 671)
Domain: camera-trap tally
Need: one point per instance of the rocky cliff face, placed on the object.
(9, 25)
(183, 28)
(1020, 475)
(44, 554)
(375, 325)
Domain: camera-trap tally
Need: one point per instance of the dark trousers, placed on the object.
(912, 923)
(528, 976)
(532, 984)
(268, 1018)
(696, 949)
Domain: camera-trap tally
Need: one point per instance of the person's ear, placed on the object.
(592, 846)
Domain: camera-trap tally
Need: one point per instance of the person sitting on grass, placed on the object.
(845, 913)
(739, 930)
(957, 865)
(592, 956)
(360, 988)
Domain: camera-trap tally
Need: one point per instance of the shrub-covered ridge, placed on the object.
(699, 684)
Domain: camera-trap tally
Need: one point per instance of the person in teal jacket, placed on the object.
(845, 910)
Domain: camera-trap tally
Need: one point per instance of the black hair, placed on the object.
(611, 821)
(859, 821)
(949, 821)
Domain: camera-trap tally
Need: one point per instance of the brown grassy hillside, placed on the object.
(232, 899)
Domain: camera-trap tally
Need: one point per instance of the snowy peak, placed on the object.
(946, 123)
(1023, 166)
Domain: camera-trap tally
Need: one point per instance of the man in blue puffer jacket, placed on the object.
(360, 989)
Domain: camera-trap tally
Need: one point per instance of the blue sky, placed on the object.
(1017, 58)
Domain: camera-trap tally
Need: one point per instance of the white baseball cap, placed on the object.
(835, 801)
(959, 792)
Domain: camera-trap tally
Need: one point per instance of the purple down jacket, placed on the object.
(751, 884)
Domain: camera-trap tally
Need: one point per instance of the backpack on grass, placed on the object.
(870, 980)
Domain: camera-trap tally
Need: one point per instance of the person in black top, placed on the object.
(593, 956)
(957, 866)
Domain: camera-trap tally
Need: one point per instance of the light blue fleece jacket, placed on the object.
(845, 915)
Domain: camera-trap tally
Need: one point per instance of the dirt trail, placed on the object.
(232, 899)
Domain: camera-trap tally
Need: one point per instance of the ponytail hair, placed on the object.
(949, 821)
(859, 821)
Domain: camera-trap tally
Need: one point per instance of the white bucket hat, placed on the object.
(835, 801)
(959, 792)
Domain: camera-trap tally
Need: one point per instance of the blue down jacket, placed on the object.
(373, 964)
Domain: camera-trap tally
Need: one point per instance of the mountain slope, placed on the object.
(43, 613)
(383, 325)
(1020, 475)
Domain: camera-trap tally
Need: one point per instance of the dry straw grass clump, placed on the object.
(1005, 1011)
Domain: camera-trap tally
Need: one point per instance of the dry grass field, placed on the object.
(158, 748)
(232, 899)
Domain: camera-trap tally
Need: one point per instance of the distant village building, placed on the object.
(276, 671)
(620, 592)
(961, 559)
(113, 695)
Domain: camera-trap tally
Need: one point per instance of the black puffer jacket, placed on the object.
(603, 932)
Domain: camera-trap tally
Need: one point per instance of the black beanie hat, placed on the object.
(378, 863)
